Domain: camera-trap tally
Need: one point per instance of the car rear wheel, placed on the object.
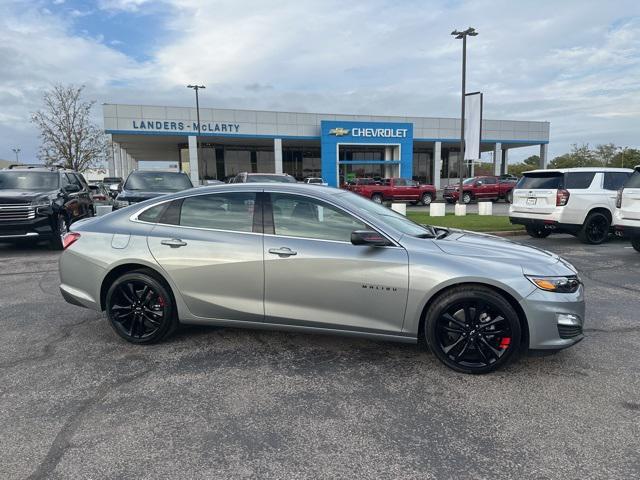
(140, 308)
(466, 198)
(59, 231)
(635, 243)
(426, 199)
(376, 197)
(473, 330)
(595, 229)
(537, 232)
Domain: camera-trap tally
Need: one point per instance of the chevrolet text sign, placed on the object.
(380, 132)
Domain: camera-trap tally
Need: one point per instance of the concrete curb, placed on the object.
(507, 233)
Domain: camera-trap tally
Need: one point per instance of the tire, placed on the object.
(59, 231)
(376, 197)
(595, 229)
(459, 329)
(537, 232)
(466, 198)
(635, 243)
(140, 308)
(426, 199)
(509, 197)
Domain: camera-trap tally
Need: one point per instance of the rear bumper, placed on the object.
(547, 224)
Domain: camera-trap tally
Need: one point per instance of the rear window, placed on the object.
(542, 180)
(634, 180)
(270, 179)
(578, 179)
(614, 180)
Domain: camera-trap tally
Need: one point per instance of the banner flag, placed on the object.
(472, 125)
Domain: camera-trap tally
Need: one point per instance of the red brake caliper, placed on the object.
(505, 342)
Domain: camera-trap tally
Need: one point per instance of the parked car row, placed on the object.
(589, 203)
(486, 187)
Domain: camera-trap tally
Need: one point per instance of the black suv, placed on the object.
(41, 203)
(142, 185)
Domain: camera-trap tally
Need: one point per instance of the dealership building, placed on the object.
(335, 147)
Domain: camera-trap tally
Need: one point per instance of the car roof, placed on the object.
(580, 169)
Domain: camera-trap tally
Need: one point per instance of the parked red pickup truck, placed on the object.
(481, 188)
(395, 189)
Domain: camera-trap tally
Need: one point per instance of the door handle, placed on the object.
(173, 243)
(283, 251)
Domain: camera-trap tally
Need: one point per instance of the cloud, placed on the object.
(573, 63)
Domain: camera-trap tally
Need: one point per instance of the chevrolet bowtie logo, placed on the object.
(339, 132)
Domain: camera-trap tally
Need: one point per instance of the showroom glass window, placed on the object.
(221, 211)
(298, 216)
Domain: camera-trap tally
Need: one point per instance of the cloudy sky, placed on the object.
(573, 63)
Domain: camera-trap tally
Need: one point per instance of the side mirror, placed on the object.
(479, 183)
(72, 188)
(369, 237)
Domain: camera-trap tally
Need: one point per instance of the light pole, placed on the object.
(196, 88)
(17, 152)
(471, 32)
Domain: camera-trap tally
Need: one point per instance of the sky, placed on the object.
(573, 63)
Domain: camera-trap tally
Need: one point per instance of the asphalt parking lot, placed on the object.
(78, 402)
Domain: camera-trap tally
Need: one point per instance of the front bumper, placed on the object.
(38, 227)
(556, 320)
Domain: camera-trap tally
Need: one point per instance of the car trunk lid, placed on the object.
(536, 192)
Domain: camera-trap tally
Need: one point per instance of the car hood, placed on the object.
(534, 261)
(23, 196)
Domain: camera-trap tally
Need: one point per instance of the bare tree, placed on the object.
(69, 138)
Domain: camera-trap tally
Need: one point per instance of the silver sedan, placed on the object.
(317, 259)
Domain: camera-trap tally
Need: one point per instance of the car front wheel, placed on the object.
(466, 198)
(473, 330)
(140, 308)
(635, 243)
(60, 229)
(426, 199)
(376, 197)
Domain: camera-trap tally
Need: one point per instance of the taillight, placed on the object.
(619, 198)
(69, 239)
(562, 197)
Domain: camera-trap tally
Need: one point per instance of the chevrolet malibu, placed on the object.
(317, 259)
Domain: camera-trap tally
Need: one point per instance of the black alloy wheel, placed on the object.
(595, 229)
(426, 199)
(140, 308)
(473, 330)
(60, 229)
(537, 232)
(635, 243)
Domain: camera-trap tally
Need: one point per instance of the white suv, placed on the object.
(579, 201)
(627, 217)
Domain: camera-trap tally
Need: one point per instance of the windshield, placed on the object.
(270, 179)
(467, 181)
(530, 181)
(158, 182)
(24, 180)
(395, 220)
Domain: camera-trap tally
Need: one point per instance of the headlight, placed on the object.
(42, 202)
(122, 203)
(567, 284)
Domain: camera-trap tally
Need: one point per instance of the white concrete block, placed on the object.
(460, 209)
(485, 208)
(400, 208)
(437, 209)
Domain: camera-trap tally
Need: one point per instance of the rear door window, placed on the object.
(578, 180)
(540, 180)
(634, 180)
(614, 180)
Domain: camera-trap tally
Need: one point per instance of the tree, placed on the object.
(605, 153)
(626, 157)
(580, 156)
(68, 137)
